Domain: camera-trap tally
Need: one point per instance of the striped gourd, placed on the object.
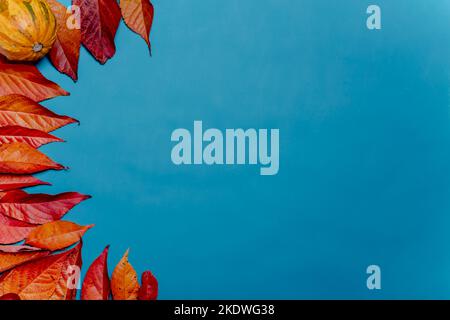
(27, 29)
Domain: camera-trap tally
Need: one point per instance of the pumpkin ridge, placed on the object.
(17, 28)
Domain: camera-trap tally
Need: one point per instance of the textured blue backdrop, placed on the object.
(365, 158)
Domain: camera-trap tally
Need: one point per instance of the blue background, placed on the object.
(364, 136)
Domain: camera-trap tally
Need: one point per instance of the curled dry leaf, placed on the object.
(38, 208)
(11, 182)
(13, 231)
(21, 111)
(138, 16)
(96, 285)
(32, 137)
(99, 22)
(149, 287)
(21, 158)
(28, 81)
(65, 52)
(48, 278)
(9, 260)
(56, 235)
(124, 283)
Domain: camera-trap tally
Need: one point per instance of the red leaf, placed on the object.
(66, 50)
(10, 296)
(13, 231)
(34, 138)
(11, 182)
(74, 259)
(96, 285)
(149, 287)
(138, 16)
(18, 248)
(99, 22)
(22, 111)
(38, 208)
(28, 81)
(20, 158)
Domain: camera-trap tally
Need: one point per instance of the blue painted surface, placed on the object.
(364, 135)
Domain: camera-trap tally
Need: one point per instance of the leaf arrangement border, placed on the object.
(40, 254)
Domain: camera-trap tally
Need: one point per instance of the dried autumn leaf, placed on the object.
(48, 278)
(56, 235)
(11, 182)
(65, 52)
(18, 248)
(96, 285)
(9, 260)
(38, 208)
(28, 81)
(22, 111)
(149, 287)
(138, 16)
(21, 158)
(34, 138)
(13, 231)
(99, 22)
(70, 275)
(10, 296)
(124, 283)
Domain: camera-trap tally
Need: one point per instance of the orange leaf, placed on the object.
(138, 16)
(20, 158)
(12, 231)
(38, 208)
(96, 285)
(66, 50)
(28, 81)
(21, 111)
(34, 138)
(44, 279)
(11, 182)
(9, 260)
(56, 235)
(124, 283)
(99, 22)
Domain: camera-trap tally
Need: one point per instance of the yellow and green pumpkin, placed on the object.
(27, 29)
